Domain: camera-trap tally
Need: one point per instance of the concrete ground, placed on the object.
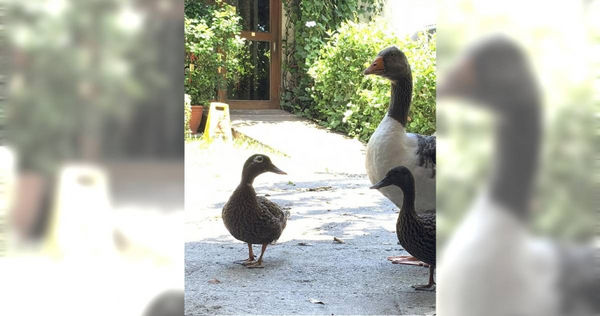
(306, 272)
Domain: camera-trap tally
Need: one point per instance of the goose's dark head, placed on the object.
(390, 63)
(399, 176)
(256, 165)
(493, 73)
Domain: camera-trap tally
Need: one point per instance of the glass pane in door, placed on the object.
(251, 81)
(254, 13)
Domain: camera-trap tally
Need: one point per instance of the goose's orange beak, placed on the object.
(376, 68)
(459, 81)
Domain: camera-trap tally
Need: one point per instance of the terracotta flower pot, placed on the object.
(28, 208)
(196, 118)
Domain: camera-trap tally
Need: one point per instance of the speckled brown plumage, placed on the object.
(253, 219)
(416, 232)
(250, 218)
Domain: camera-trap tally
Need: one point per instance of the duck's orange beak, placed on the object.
(377, 67)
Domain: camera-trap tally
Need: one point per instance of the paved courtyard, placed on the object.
(306, 272)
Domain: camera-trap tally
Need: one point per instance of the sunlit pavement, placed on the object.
(306, 266)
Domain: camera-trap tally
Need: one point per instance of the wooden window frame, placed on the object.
(274, 37)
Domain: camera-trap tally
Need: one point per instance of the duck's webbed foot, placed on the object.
(408, 260)
(258, 263)
(246, 261)
(255, 265)
(250, 259)
(426, 287)
(431, 285)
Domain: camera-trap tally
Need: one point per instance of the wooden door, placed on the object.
(258, 88)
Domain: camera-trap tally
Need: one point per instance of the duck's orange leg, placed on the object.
(251, 256)
(258, 263)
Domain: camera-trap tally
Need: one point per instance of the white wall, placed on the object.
(409, 16)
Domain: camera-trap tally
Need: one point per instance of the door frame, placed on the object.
(273, 36)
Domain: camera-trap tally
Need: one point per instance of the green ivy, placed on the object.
(211, 33)
(310, 23)
(348, 101)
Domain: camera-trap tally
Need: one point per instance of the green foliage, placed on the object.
(79, 73)
(309, 25)
(562, 203)
(348, 101)
(197, 8)
(567, 207)
(211, 33)
(324, 60)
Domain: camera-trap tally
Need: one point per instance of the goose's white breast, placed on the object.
(492, 266)
(390, 146)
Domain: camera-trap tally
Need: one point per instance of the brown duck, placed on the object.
(250, 218)
(416, 232)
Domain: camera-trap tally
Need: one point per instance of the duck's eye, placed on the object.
(258, 159)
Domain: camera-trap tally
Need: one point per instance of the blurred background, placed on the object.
(564, 58)
(523, 265)
(92, 157)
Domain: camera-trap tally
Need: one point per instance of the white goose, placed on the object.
(390, 145)
(493, 265)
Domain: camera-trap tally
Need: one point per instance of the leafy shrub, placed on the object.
(349, 102)
(307, 29)
(211, 33)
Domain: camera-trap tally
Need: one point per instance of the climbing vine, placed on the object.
(310, 23)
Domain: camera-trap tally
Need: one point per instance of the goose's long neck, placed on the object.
(517, 143)
(400, 100)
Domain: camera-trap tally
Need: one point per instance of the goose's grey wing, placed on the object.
(426, 152)
(580, 281)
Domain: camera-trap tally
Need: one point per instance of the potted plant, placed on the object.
(211, 33)
(196, 117)
(193, 115)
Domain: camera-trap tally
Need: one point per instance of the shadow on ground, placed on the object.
(350, 278)
(353, 277)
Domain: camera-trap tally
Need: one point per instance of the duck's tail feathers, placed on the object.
(286, 215)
